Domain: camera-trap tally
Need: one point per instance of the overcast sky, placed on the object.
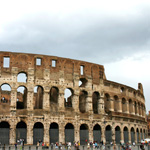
(115, 34)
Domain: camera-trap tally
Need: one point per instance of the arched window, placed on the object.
(22, 77)
(82, 101)
(95, 99)
(68, 97)
(38, 97)
(84, 134)
(97, 133)
(107, 103)
(69, 133)
(117, 135)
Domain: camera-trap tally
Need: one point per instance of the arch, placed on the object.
(5, 93)
(95, 99)
(137, 133)
(83, 82)
(116, 103)
(108, 134)
(126, 135)
(54, 132)
(82, 101)
(21, 131)
(107, 103)
(132, 135)
(117, 135)
(22, 77)
(22, 97)
(69, 133)
(38, 97)
(130, 106)
(38, 132)
(97, 133)
(84, 134)
(4, 132)
(68, 97)
(54, 94)
(124, 106)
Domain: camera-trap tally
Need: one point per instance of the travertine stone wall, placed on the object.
(66, 74)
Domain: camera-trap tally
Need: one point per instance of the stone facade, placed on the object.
(95, 104)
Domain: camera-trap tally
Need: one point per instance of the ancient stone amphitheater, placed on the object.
(54, 99)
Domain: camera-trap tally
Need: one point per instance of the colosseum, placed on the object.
(54, 99)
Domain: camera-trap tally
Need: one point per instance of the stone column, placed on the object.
(12, 139)
(46, 133)
(29, 133)
(129, 132)
(13, 99)
(30, 97)
(91, 133)
(46, 105)
(101, 107)
(75, 101)
(127, 105)
(89, 107)
(137, 110)
(122, 136)
(77, 133)
(111, 104)
(103, 134)
(119, 105)
(133, 108)
(61, 99)
(61, 133)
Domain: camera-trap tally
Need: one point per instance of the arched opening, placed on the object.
(22, 97)
(38, 132)
(126, 135)
(54, 133)
(137, 133)
(107, 103)
(69, 133)
(144, 134)
(4, 132)
(22, 77)
(97, 133)
(132, 135)
(124, 107)
(139, 106)
(117, 135)
(68, 97)
(82, 82)
(38, 97)
(95, 99)
(5, 93)
(130, 106)
(84, 134)
(21, 131)
(82, 101)
(116, 103)
(108, 134)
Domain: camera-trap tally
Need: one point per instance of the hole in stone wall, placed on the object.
(82, 101)
(6, 62)
(81, 70)
(53, 63)
(54, 93)
(82, 82)
(5, 93)
(122, 89)
(21, 97)
(38, 97)
(68, 97)
(38, 61)
(22, 77)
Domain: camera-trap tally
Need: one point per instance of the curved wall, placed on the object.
(33, 90)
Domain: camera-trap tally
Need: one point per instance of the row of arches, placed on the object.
(110, 103)
(124, 134)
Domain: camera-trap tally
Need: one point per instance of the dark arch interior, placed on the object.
(38, 125)
(69, 126)
(83, 127)
(125, 129)
(108, 128)
(132, 129)
(117, 128)
(97, 127)
(4, 124)
(21, 125)
(54, 126)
